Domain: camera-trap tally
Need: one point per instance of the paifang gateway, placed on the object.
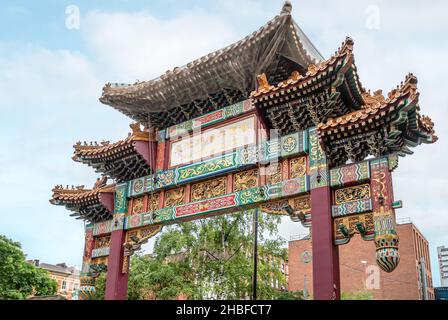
(335, 151)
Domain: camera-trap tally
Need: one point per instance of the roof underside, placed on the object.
(326, 90)
(217, 79)
(382, 127)
(85, 204)
(123, 160)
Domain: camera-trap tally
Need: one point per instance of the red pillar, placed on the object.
(116, 281)
(326, 282)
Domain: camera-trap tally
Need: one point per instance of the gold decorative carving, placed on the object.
(263, 83)
(312, 70)
(360, 192)
(153, 201)
(100, 182)
(295, 76)
(100, 260)
(208, 189)
(427, 124)
(134, 240)
(274, 207)
(373, 100)
(302, 203)
(138, 205)
(143, 233)
(274, 173)
(245, 180)
(297, 167)
(174, 197)
(102, 242)
(350, 222)
(125, 266)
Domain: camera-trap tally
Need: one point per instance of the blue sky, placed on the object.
(51, 78)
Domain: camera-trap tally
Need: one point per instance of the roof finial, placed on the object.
(287, 8)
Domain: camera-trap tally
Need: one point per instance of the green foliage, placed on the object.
(100, 287)
(211, 258)
(359, 295)
(290, 295)
(19, 279)
(153, 279)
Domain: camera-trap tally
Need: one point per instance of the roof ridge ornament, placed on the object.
(100, 182)
(67, 189)
(287, 8)
(374, 100)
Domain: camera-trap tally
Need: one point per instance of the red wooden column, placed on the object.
(326, 282)
(117, 280)
(87, 281)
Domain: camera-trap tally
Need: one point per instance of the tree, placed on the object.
(290, 295)
(19, 279)
(100, 287)
(211, 258)
(359, 295)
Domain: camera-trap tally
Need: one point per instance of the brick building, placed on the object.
(67, 278)
(359, 271)
(442, 253)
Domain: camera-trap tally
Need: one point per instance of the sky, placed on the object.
(53, 66)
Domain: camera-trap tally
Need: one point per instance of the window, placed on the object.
(64, 285)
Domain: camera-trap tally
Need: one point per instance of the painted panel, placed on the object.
(213, 141)
(100, 252)
(352, 207)
(221, 204)
(287, 188)
(350, 225)
(354, 173)
(349, 194)
(206, 206)
(103, 227)
(210, 118)
(319, 174)
(120, 198)
(212, 166)
(268, 151)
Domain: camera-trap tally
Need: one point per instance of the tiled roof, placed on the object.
(377, 104)
(87, 204)
(232, 67)
(314, 71)
(60, 269)
(80, 196)
(105, 148)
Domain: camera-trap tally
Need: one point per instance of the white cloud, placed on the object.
(50, 97)
(49, 100)
(141, 46)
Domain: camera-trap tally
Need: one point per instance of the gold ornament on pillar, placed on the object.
(386, 240)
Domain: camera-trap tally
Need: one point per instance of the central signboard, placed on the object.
(211, 142)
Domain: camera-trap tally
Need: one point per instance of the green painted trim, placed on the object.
(357, 172)
(249, 156)
(121, 205)
(210, 118)
(222, 204)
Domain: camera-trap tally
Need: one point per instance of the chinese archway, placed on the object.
(279, 128)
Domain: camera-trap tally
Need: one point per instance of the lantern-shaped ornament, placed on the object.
(386, 240)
